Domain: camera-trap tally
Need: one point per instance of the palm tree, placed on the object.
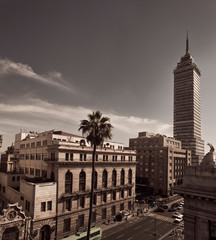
(96, 129)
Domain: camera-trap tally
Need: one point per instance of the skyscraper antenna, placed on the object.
(187, 44)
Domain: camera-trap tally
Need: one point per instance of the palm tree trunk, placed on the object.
(92, 192)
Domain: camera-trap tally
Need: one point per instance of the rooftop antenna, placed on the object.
(187, 44)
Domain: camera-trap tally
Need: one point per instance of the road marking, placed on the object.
(130, 238)
(138, 227)
(120, 236)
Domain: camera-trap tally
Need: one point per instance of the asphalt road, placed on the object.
(142, 228)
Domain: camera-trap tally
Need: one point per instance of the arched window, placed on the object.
(95, 179)
(114, 178)
(68, 182)
(82, 181)
(122, 177)
(104, 178)
(130, 176)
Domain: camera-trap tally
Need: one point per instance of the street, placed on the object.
(153, 226)
(142, 228)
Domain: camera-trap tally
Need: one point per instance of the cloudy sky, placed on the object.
(60, 60)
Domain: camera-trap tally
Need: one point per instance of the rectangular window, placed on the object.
(22, 145)
(27, 205)
(84, 157)
(32, 171)
(21, 156)
(27, 156)
(103, 213)
(113, 210)
(44, 173)
(38, 144)
(129, 205)
(122, 193)
(104, 197)
(129, 192)
(13, 179)
(33, 145)
(68, 204)
(44, 156)
(32, 156)
(38, 156)
(49, 205)
(66, 156)
(71, 156)
(27, 145)
(21, 170)
(121, 206)
(81, 156)
(82, 201)
(67, 225)
(96, 158)
(94, 216)
(114, 195)
(37, 172)
(80, 221)
(44, 142)
(95, 199)
(53, 156)
(43, 207)
(3, 189)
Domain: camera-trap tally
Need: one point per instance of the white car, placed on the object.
(178, 219)
(177, 214)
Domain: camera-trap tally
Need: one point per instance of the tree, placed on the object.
(96, 129)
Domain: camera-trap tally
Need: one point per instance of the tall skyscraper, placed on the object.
(187, 120)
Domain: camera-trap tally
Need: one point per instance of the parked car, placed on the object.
(174, 205)
(177, 214)
(178, 220)
(172, 209)
(159, 209)
(142, 201)
(164, 206)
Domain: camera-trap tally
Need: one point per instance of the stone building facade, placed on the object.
(14, 224)
(55, 181)
(199, 192)
(161, 162)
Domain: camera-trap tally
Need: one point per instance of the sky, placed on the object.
(61, 60)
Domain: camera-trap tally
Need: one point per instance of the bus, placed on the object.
(95, 234)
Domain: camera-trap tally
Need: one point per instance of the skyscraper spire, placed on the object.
(187, 44)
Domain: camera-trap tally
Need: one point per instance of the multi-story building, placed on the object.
(161, 162)
(199, 192)
(55, 180)
(187, 120)
(8, 161)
